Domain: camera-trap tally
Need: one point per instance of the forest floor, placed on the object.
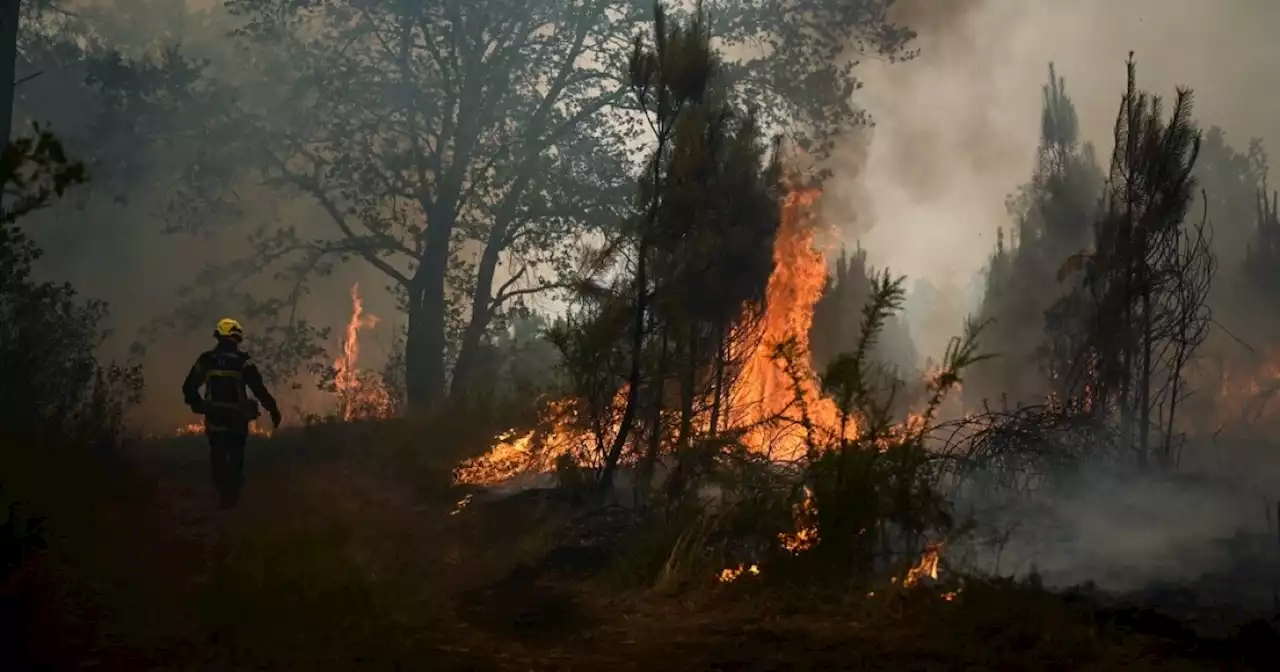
(341, 556)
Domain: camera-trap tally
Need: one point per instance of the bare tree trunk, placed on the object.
(637, 351)
(684, 435)
(718, 397)
(1144, 410)
(425, 340)
(464, 370)
(10, 14)
(650, 461)
(688, 381)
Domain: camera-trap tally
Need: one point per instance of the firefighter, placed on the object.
(225, 373)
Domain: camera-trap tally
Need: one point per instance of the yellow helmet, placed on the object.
(229, 328)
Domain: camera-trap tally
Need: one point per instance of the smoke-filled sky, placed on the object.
(956, 129)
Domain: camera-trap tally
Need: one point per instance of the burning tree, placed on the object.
(700, 248)
(696, 358)
(460, 148)
(675, 357)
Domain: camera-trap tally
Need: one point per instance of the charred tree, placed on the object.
(1140, 311)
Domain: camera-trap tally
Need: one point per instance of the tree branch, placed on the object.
(312, 187)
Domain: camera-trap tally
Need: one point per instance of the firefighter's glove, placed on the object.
(275, 417)
(197, 406)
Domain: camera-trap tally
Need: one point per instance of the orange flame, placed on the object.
(928, 565)
(731, 574)
(767, 389)
(193, 428)
(770, 401)
(806, 535)
(358, 395)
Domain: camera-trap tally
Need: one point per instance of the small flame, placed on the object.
(462, 504)
(193, 428)
(806, 535)
(731, 574)
(534, 451)
(928, 565)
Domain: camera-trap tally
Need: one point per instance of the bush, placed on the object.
(867, 500)
(54, 394)
(53, 386)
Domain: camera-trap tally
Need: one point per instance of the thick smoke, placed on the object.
(108, 238)
(956, 128)
(956, 131)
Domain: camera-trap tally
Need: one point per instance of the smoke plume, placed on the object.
(956, 128)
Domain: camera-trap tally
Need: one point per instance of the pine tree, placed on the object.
(1140, 313)
(836, 319)
(1052, 217)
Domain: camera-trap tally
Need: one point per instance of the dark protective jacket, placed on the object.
(225, 373)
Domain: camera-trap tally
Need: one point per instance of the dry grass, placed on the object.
(344, 555)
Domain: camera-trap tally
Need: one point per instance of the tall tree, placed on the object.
(654, 357)
(1141, 308)
(1262, 256)
(1230, 179)
(10, 12)
(458, 147)
(1052, 219)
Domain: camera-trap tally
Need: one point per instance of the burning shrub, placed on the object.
(871, 493)
(690, 370)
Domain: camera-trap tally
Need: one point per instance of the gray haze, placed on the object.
(924, 190)
(956, 129)
(111, 246)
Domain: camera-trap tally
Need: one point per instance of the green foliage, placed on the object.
(876, 490)
(836, 326)
(35, 171)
